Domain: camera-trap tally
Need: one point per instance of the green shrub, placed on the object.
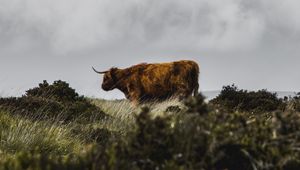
(59, 91)
(56, 101)
(293, 103)
(233, 99)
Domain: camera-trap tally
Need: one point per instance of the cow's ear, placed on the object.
(112, 72)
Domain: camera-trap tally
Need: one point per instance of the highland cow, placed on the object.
(144, 82)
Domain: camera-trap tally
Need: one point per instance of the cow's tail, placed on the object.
(195, 79)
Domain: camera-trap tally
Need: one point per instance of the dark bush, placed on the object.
(196, 104)
(59, 91)
(31, 106)
(293, 103)
(291, 164)
(233, 157)
(153, 141)
(57, 101)
(233, 99)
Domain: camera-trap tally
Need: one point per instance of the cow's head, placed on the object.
(109, 78)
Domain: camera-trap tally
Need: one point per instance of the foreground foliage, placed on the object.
(189, 135)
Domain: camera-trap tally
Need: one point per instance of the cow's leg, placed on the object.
(134, 94)
(134, 97)
(183, 92)
(196, 88)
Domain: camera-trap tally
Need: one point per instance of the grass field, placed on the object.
(52, 127)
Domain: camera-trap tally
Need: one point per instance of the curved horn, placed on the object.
(99, 72)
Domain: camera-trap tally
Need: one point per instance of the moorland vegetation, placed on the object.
(52, 127)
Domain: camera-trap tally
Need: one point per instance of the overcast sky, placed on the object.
(252, 43)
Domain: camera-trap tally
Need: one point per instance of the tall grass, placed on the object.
(23, 133)
(122, 113)
(19, 134)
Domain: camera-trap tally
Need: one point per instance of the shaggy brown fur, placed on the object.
(145, 82)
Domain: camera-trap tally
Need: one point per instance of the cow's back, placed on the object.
(165, 79)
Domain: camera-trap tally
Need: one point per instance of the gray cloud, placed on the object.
(70, 25)
(235, 34)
